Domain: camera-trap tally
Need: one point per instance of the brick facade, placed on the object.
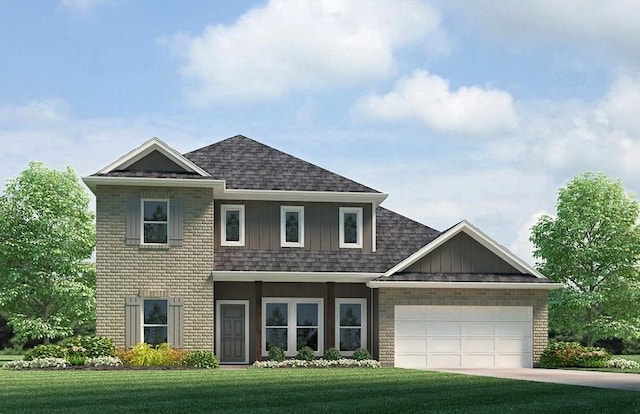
(178, 271)
(389, 297)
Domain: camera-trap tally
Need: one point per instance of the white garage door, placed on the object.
(463, 336)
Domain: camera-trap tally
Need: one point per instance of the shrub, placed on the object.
(75, 355)
(305, 354)
(360, 354)
(572, 354)
(95, 346)
(125, 355)
(622, 364)
(276, 354)
(177, 356)
(44, 351)
(144, 355)
(202, 359)
(103, 361)
(332, 354)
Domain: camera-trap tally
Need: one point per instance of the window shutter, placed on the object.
(175, 321)
(132, 237)
(132, 322)
(176, 221)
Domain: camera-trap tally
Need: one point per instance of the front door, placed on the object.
(232, 338)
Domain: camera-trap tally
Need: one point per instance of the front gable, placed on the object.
(461, 254)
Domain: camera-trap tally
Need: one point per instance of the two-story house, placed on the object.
(237, 247)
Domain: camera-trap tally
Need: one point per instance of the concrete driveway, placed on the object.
(597, 379)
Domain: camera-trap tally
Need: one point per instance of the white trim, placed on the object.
(223, 224)
(283, 226)
(292, 323)
(476, 234)
(142, 221)
(154, 144)
(363, 322)
(218, 328)
(358, 212)
(374, 230)
(249, 276)
(375, 284)
(92, 182)
(300, 196)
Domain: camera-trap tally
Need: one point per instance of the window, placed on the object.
(292, 324)
(351, 227)
(291, 226)
(155, 328)
(351, 325)
(232, 225)
(155, 221)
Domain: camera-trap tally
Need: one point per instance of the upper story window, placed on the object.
(292, 226)
(155, 221)
(232, 225)
(351, 227)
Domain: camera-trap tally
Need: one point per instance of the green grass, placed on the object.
(629, 357)
(296, 390)
(6, 358)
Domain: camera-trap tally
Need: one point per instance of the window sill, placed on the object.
(153, 247)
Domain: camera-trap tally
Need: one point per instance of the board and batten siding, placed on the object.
(321, 224)
(461, 254)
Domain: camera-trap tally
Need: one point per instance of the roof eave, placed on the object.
(376, 284)
(253, 276)
(283, 195)
(92, 182)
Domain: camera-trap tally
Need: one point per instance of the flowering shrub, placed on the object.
(48, 362)
(572, 354)
(94, 346)
(622, 364)
(318, 363)
(103, 361)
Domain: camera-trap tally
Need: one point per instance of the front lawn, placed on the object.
(296, 390)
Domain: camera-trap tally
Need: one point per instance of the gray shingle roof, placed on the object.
(247, 164)
(398, 237)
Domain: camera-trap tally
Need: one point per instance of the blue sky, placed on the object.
(458, 109)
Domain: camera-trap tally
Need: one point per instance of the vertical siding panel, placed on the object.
(366, 228)
(132, 321)
(252, 225)
(309, 211)
(274, 225)
(327, 225)
(456, 254)
(314, 226)
(263, 223)
(334, 227)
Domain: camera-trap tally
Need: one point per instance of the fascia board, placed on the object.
(248, 276)
(310, 196)
(376, 284)
(154, 144)
(479, 236)
(93, 181)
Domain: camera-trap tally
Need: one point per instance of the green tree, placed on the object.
(47, 235)
(592, 246)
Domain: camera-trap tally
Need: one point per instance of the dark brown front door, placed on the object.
(232, 340)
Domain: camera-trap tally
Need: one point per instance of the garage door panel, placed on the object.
(477, 329)
(513, 345)
(444, 361)
(408, 312)
(463, 336)
(443, 345)
(520, 329)
(478, 345)
(436, 329)
(411, 345)
(411, 328)
(411, 361)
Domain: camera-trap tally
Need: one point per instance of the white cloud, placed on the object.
(287, 46)
(522, 246)
(34, 112)
(82, 7)
(610, 27)
(429, 99)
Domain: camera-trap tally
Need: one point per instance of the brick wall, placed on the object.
(180, 271)
(388, 298)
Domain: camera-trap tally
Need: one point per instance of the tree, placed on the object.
(47, 235)
(592, 246)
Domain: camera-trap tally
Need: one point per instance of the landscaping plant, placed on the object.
(572, 354)
(276, 354)
(361, 354)
(332, 354)
(305, 353)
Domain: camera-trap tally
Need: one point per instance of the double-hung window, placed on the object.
(232, 225)
(292, 226)
(155, 323)
(350, 227)
(292, 323)
(155, 221)
(351, 324)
